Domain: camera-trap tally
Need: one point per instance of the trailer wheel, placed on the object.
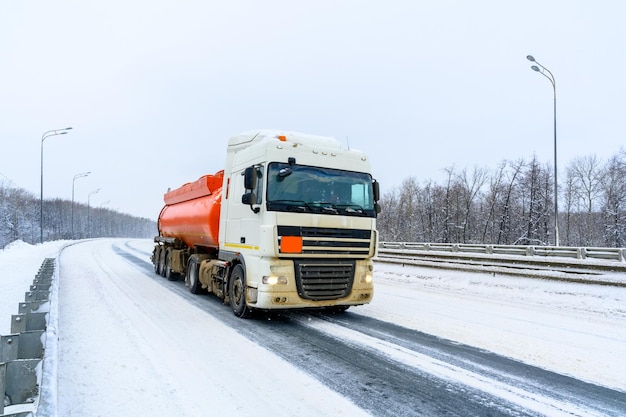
(171, 276)
(156, 258)
(192, 279)
(162, 262)
(237, 292)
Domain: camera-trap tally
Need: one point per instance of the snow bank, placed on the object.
(19, 263)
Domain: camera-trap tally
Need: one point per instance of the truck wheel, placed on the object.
(192, 276)
(171, 276)
(156, 257)
(237, 292)
(162, 262)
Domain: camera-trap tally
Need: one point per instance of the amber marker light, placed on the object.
(291, 244)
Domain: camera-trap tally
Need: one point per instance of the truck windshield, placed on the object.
(307, 189)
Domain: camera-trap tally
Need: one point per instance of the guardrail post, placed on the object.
(21, 353)
(21, 381)
(26, 322)
(30, 306)
(37, 295)
(3, 378)
(30, 345)
(9, 346)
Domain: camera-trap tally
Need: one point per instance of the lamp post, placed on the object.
(81, 175)
(46, 135)
(88, 205)
(546, 73)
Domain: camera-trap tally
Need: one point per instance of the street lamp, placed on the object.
(81, 175)
(88, 205)
(546, 73)
(44, 137)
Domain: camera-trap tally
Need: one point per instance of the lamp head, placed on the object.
(530, 58)
(535, 68)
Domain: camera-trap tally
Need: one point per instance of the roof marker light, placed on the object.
(282, 138)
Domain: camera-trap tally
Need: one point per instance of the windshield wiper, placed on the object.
(351, 208)
(323, 207)
(330, 209)
(293, 205)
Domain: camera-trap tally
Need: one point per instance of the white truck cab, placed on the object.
(298, 216)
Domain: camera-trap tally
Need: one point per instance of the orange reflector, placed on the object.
(291, 244)
(282, 138)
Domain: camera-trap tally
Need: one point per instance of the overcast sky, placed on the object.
(153, 89)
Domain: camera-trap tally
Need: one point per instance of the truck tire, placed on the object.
(156, 258)
(237, 292)
(171, 276)
(162, 262)
(192, 279)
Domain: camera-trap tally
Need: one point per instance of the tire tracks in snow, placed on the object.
(389, 370)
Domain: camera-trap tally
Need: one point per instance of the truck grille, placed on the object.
(324, 280)
(353, 243)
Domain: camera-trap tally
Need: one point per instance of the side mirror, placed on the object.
(249, 198)
(249, 178)
(376, 190)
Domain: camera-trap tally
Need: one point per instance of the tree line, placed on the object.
(20, 220)
(512, 205)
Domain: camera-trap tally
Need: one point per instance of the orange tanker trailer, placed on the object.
(192, 212)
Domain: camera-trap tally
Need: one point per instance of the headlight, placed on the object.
(274, 280)
(367, 278)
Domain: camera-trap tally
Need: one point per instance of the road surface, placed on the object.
(133, 343)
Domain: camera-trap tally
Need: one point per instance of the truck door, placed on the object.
(243, 223)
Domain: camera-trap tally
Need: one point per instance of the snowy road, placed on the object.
(133, 343)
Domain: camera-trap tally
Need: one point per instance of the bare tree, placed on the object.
(470, 186)
(387, 222)
(585, 176)
(19, 219)
(537, 198)
(516, 207)
(448, 206)
(511, 202)
(570, 201)
(409, 209)
(614, 201)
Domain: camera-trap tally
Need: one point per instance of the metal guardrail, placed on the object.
(602, 266)
(21, 352)
(610, 254)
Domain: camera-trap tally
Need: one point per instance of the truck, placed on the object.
(289, 223)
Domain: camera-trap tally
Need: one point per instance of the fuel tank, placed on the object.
(192, 212)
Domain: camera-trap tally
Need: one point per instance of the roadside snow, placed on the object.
(19, 263)
(572, 329)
